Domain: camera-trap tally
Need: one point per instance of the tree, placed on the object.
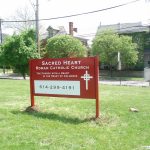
(22, 20)
(129, 53)
(18, 50)
(64, 46)
(143, 43)
(1, 57)
(107, 44)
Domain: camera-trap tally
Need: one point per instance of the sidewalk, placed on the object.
(107, 82)
(12, 76)
(125, 83)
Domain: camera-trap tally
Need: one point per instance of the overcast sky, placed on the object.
(86, 24)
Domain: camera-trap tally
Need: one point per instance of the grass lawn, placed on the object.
(66, 124)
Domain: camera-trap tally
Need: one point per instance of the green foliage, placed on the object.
(1, 55)
(64, 46)
(143, 43)
(18, 50)
(2, 59)
(107, 44)
(129, 54)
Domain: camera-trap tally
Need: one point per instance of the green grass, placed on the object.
(66, 124)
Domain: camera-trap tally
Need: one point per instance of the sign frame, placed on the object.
(35, 79)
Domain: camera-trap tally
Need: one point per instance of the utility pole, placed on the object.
(119, 60)
(1, 40)
(37, 26)
(36, 9)
(1, 34)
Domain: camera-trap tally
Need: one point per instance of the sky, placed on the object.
(86, 24)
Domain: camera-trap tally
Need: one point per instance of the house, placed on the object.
(50, 32)
(147, 58)
(130, 29)
(125, 28)
(59, 31)
(83, 40)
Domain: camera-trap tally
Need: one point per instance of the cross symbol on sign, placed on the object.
(86, 77)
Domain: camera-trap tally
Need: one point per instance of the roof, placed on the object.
(60, 31)
(125, 27)
(81, 38)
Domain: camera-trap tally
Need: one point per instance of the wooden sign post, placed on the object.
(65, 77)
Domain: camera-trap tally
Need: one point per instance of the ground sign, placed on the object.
(66, 77)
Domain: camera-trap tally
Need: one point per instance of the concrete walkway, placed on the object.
(126, 83)
(12, 76)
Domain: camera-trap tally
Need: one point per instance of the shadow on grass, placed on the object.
(53, 116)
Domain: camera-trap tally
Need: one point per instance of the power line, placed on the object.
(90, 12)
(74, 15)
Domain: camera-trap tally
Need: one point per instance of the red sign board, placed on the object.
(66, 77)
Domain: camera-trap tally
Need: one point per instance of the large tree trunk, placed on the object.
(3, 69)
(111, 70)
(24, 76)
